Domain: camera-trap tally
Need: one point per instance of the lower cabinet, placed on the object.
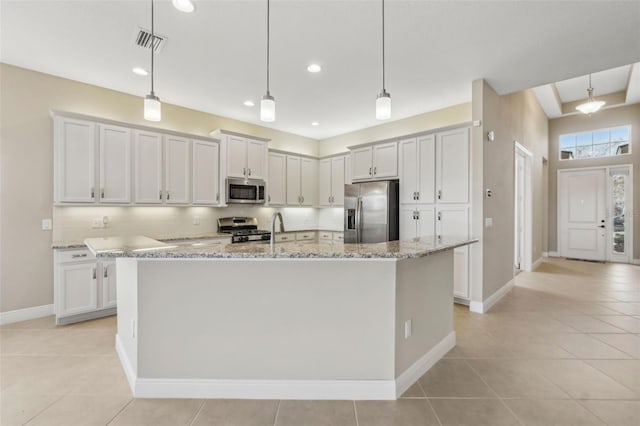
(84, 287)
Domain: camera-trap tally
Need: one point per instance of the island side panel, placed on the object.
(268, 319)
(127, 291)
(424, 294)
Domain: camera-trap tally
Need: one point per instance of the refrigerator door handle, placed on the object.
(358, 219)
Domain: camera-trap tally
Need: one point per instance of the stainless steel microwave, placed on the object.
(245, 191)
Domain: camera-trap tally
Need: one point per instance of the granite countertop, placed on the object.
(418, 247)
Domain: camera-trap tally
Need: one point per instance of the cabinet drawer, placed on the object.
(338, 236)
(285, 237)
(65, 256)
(325, 235)
(302, 236)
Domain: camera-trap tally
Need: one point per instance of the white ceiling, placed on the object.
(215, 57)
(603, 83)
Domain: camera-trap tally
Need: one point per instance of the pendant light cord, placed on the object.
(383, 80)
(153, 42)
(268, 20)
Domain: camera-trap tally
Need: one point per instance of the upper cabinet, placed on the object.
(92, 162)
(148, 167)
(246, 158)
(453, 166)
(417, 175)
(331, 180)
(176, 170)
(277, 181)
(206, 173)
(302, 175)
(375, 162)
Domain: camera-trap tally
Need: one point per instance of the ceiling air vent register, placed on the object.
(143, 39)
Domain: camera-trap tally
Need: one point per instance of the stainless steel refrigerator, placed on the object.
(371, 212)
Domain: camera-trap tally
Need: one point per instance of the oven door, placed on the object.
(250, 191)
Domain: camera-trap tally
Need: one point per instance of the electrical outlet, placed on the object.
(97, 223)
(47, 224)
(408, 328)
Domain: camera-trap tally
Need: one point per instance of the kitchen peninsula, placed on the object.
(299, 321)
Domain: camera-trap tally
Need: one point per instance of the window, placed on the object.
(596, 143)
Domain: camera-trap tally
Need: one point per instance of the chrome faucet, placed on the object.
(276, 215)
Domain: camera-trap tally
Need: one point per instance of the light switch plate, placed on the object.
(47, 224)
(488, 222)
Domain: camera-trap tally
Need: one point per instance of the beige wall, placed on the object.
(514, 117)
(419, 123)
(26, 166)
(577, 123)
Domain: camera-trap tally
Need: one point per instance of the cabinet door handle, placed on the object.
(75, 256)
(302, 198)
(160, 194)
(244, 171)
(268, 198)
(249, 171)
(93, 193)
(375, 170)
(370, 171)
(439, 238)
(217, 196)
(101, 192)
(418, 215)
(439, 194)
(418, 195)
(168, 195)
(94, 273)
(439, 215)
(105, 275)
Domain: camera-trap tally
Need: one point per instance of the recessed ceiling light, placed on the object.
(314, 68)
(140, 71)
(249, 103)
(315, 123)
(184, 5)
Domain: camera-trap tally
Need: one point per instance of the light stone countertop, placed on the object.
(419, 247)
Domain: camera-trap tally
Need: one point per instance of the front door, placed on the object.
(582, 204)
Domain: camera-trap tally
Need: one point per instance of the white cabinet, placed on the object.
(205, 163)
(453, 166)
(84, 288)
(148, 167)
(417, 175)
(331, 180)
(74, 151)
(417, 222)
(375, 162)
(115, 164)
(277, 183)
(76, 180)
(176, 170)
(301, 181)
(454, 221)
(246, 158)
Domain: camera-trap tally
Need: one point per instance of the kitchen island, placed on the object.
(299, 321)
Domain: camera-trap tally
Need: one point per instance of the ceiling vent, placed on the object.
(143, 39)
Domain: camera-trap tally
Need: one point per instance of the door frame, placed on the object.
(609, 229)
(526, 257)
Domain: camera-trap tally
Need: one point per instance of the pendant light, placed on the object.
(152, 105)
(383, 101)
(268, 102)
(591, 105)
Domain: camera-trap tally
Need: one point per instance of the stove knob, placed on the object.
(244, 238)
(266, 236)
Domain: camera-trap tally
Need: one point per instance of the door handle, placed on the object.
(102, 193)
(168, 195)
(249, 172)
(160, 194)
(439, 194)
(244, 171)
(94, 273)
(601, 226)
(93, 194)
(105, 272)
(370, 171)
(269, 198)
(375, 170)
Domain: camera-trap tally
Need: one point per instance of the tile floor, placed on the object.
(562, 348)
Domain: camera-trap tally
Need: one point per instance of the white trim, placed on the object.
(553, 254)
(421, 366)
(636, 261)
(26, 314)
(526, 257)
(284, 389)
(545, 254)
(537, 263)
(483, 307)
(129, 371)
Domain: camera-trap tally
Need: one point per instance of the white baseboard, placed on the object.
(284, 389)
(636, 261)
(483, 307)
(553, 254)
(421, 366)
(545, 254)
(26, 314)
(537, 263)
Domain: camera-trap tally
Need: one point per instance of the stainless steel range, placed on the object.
(242, 229)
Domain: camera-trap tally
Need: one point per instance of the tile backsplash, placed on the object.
(74, 223)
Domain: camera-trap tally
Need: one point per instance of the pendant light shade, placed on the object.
(383, 106)
(268, 108)
(152, 108)
(152, 105)
(383, 101)
(268, 102)
(591, 105)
